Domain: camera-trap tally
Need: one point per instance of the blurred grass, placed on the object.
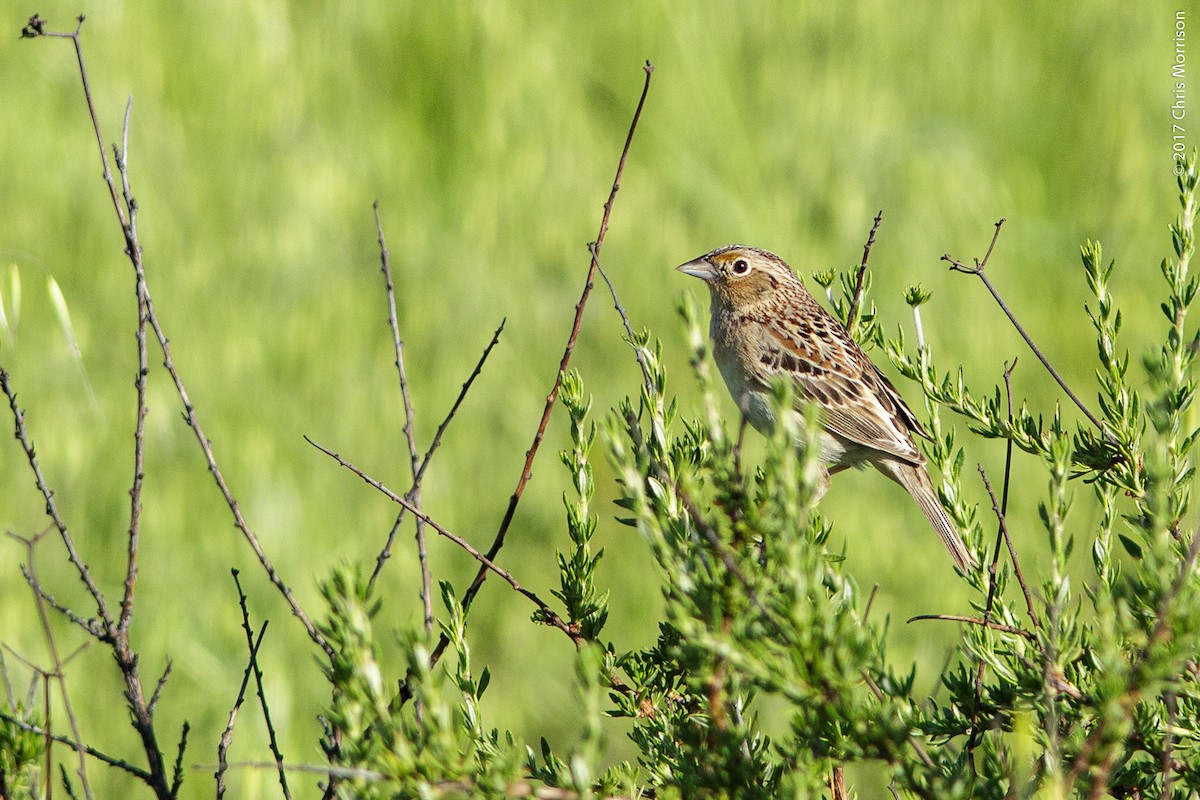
(261, 134)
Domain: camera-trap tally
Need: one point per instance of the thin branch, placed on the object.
(227, 735)
(527, 468)
(41, 601)
(870, 602)
(143, 357)
(92, 627)
(118, 635)
(860, 278)
(978, 270)
(837, 783)
(135, 771)
(21, 435)
(386, 552)
(239, 520)
(133, 250)
(546, 613)
(414, 494)
(1012, 551)
(177, 773)
(996, 626)
(252, 645)
(992, 578)
(612, 289)
(158, 687)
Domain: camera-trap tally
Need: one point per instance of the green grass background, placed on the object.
(261, 133)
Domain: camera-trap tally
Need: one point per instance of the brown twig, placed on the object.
(227, 735)
(231, 502)
(612, 289)
(983, 623)
(21, 435)
(160, 684)
(870, 602)
(139, 444)
(117, 635)
(1012, 551)
(177, 772)
(552, 397)
(545, 611)
(978, 270)
(860, 278)
(126, 216)
(252, 646)
(436, 442)
(837, 783)
(993, 581)
(414, 494)
(135, 771)
(41, 598)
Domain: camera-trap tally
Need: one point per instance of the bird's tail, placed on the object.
(916, 482)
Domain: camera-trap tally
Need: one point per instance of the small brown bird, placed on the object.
(766, 324)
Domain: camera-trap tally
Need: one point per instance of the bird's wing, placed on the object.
(829, 368)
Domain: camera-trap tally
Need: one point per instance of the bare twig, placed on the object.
(91, 626)
(227, 734)
(139, 445)
(22, 436)
(41, 602)
(177, 772)
(103, 757)
(126, 216)
(252, 646)
(117, 635)
(414, 494)
(239, 520)
(158, 687)
(837, 783)
(973, 738)
(996, 626)
(552, 397)
(860, 278)
(386, 552)
(612, 289)
(1012, 551)
(545, 611)
(978, 270)
(870, 602)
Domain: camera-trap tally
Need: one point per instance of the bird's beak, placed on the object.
(701, 268)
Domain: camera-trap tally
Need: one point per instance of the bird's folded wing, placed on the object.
(857, 401)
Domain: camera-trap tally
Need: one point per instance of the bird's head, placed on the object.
(739, 276)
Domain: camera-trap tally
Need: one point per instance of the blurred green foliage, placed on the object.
(262, 132)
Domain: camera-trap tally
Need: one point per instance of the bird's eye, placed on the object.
(741, 266)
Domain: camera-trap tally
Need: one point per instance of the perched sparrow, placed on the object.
(764, 324)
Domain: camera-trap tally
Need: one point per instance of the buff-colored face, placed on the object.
(740, 275)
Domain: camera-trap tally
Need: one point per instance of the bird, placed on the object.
(765, 324)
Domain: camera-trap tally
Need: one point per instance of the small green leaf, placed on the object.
(1131, 547)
